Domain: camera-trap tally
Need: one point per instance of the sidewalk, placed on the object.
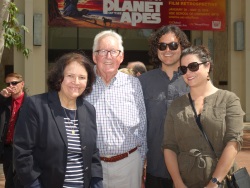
(2, 179)
(243, 159)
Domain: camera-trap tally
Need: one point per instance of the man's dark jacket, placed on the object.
(5, 114)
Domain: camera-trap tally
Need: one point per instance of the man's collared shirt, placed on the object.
(15, 106)
(159, 92)
(121, 115)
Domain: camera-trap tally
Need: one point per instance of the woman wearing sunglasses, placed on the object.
(203, 129)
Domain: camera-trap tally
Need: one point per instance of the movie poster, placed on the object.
(138, 14)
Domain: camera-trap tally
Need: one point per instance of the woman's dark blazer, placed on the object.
(40, 142)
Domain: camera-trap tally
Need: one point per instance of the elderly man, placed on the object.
(11, 99)
(121, 117)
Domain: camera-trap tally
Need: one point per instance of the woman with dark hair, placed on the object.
(55, 135)
(203, 129)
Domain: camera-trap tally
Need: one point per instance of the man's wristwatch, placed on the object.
(214, 180)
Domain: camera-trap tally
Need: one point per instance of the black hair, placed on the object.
(201, 52)
(155, 37)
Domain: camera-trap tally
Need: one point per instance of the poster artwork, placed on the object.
(106, 13)
(138, 14)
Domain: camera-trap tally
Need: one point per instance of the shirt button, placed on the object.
(83, 148)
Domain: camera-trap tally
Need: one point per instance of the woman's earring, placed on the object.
(208, 77)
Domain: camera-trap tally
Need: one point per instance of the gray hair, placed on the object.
(106, 33)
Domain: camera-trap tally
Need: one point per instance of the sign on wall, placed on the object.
(138, 14)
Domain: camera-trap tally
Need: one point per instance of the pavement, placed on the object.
(242, 159)
(2, 179)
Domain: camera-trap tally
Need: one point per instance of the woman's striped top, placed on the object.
(74, 169)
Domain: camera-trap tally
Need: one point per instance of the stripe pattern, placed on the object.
(74, 169)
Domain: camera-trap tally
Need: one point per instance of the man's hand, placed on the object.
(6, 92)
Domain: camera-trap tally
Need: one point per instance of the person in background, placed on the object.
(121, 117)
(160, 87)
(11, 99)
(127, 71)
(190, 159)
(55, 136)
(138, 67)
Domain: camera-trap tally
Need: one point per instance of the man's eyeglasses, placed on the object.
(13, 83)
(194, 66)
(172, 46)
(113, 53)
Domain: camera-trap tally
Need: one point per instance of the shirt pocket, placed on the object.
(218, 113)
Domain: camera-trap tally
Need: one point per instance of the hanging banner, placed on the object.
(138, 14)
(196, 15)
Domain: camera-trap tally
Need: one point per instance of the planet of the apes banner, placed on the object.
(138, 14)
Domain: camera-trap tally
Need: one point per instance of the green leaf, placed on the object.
(12, 28)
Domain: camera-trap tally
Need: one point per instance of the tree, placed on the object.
(3, 16)
(10, 29)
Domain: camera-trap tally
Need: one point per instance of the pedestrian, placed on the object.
(127, 71)
(121, 117)
(11, 99)
(204, 128)
(55, 136)
(160, 87)
(138, 67)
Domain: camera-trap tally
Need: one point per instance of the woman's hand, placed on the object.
(225, 163)
(172, 165)
(180, 185)
(211, 185)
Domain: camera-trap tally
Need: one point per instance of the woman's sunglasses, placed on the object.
(13, 83)
(194, 66)
(172, 46)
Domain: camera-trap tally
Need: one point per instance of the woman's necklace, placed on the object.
(70, 121)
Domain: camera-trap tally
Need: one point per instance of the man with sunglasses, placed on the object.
(160, 87)
(11, 99)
